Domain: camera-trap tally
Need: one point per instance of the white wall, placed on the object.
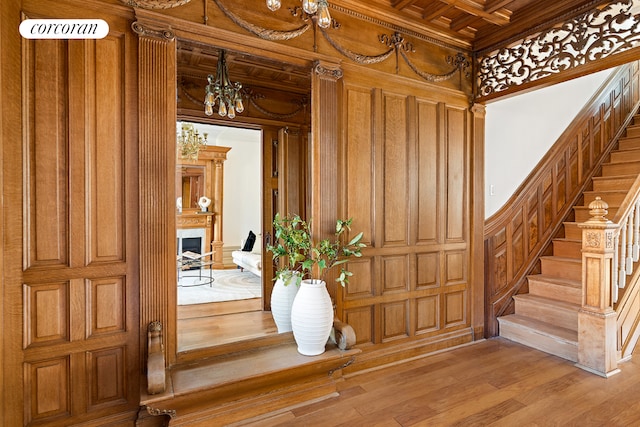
(242, 206)
(521, 129)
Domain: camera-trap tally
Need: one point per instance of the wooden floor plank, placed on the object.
(495, 382)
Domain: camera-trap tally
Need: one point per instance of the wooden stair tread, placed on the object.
(542, 328)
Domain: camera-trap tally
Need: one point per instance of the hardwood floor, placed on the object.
(495, 382)
(207, 325)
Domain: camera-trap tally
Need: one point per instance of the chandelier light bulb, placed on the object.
(324, 17)
(310, 6)
(232, 112)
(239, 105)
(222, 109)
(208, 109)
(273, 5)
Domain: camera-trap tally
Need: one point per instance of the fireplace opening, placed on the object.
(192, 244)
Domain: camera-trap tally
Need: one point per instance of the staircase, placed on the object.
(547, 317)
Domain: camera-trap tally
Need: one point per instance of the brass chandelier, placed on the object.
(190, 142)
(223, 92)
(320, 8)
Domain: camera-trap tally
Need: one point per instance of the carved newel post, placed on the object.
(597, 319)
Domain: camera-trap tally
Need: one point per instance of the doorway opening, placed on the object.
(274, 126)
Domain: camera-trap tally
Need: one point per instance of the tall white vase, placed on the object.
(282, 298)
(312, 317)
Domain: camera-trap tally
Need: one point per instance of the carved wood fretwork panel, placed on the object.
(587, 38)
(521, 231)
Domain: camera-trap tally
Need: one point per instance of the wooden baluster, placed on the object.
(636, 231)
(614, 276)
(629, 230)
(622, 277)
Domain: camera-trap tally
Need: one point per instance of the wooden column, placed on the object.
(597, 319)
(157, 165)
(218, 184)
(476, 190)
(324, 153)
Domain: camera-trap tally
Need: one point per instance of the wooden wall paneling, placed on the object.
(395, 170)
(456, 176)
(157, 163)
(47, 154)
(429, 203)
(360, 176)
(106, 159)
(418, 171)
(77, 294)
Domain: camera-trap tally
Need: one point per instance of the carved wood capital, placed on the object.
(145, 30)
(326, 71)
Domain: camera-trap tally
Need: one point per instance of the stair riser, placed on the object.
(544, 343)
(567, 249)
(628, 143)
(572, 231)
(554, 291)
(624, 156)
(582, 213)
(615, 169)
(556, 316)
(559, 268)
(612, 198)
(633, 131)
(622, 184)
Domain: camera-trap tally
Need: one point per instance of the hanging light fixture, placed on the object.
(190, 142)
(320, 8)
(222, 92)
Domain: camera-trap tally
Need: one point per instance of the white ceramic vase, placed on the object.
(312, 317)
(282, 297)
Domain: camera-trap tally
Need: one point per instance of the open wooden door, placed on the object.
(285, 177)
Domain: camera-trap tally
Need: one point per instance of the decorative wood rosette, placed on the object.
(589, 37)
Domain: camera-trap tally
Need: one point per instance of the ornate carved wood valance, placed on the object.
(587, 38)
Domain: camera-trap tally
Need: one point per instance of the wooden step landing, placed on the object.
(239, 386)
(543, 336)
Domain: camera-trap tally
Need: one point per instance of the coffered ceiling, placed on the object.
(481, 23)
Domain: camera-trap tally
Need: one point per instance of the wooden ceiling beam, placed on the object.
(476, 9)
(439, 11)
(492, 6)
(402, 4)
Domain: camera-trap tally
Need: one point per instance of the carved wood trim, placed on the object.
(517, 235)
(324, 152)
(590, 37)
